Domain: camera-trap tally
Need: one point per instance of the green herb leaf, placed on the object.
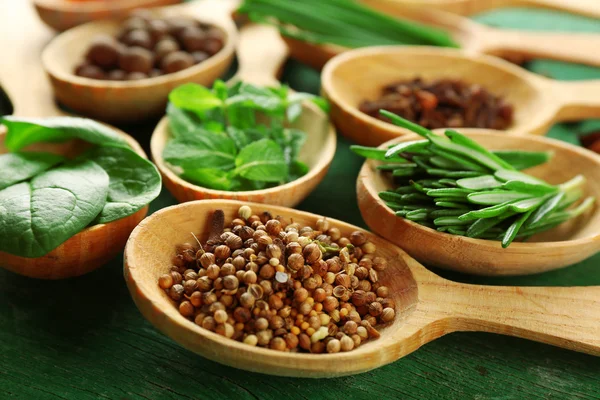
(238, 136)
(25, 131)
(17, 167)
(262, 161)
(204, 150)
(181, 122)
(211, 178)
(39, 215)
(196, 98)
(133, 181)
(297, 170)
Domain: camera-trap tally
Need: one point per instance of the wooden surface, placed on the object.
(568, 244)
(474, 37)
(261, 54)
(84, 338)
(469, 7)
(131, 101)
(538, 101)
(427, 306)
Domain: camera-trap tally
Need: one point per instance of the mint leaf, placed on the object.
(211, 178)
(203, 149)
(297, 170)
(194, 97)
(133, 181)
(238, 136)
(25, 131)
(262, 161)
(17, 167)
(181, 121)
(39, 215)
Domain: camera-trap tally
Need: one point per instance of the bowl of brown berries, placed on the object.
(123, 70)
(270, 289)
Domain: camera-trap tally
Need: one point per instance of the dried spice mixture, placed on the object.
(284, 286)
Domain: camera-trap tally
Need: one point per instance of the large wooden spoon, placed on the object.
(360, 74)
(472, 37)
(427, 306)
(261, 54)
(589, 8)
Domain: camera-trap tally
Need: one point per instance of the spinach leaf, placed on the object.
(181, 121)
(209, 177)
(25, 131)
(204, 149)
(194, 97)
(262, 161)
(17, 167)
(133, 181)
(39, 215)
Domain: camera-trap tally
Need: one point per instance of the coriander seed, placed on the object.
(334, 346)
(165, 281)
(186, 309)
(245, 212)
(220, 316)
(346, 343)
(388, 315)
(176, 292)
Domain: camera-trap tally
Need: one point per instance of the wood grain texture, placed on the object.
(589, 8)
(538, 102)
(64, 14)
(131, 101)
(473, 37)
(89, 249)
(261, 54)
(427, 306)
(565, 245)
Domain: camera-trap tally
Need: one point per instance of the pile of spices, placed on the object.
(444, 103)
(283, 286)
(147, 47)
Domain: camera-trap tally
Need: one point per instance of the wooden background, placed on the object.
(83, 338)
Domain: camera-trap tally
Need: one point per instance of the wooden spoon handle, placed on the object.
(590, 8)
(261, 54)
(577, 100)
(572, 47)
(566, 317)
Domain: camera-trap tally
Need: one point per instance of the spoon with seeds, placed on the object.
(472, 37)
(427, 306)
(538, 102)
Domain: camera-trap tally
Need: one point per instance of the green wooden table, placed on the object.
(83, 338)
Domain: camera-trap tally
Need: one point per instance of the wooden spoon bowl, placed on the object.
(64, 14)
(427, 306)
(88, 249)
(538, 102)
(261, 54)
(472, 37)
(128, 101)
(564, 245)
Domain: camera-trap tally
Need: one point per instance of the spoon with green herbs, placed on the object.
(243, 140)
(448, 192)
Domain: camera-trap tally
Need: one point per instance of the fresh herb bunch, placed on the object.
(46, 198)
(236, 138)
(342, 22)
(455, 185)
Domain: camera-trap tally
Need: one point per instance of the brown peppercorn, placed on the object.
(330, 303)
(192, 38)
(136, 59)
(176, 61)
(165, 281)
(186, 309)
(176, 292)
(104, 51)
(311, 253)
(358, 238)
(388, 314)
(138, 37)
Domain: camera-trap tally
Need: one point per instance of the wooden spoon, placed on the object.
(87, 250)
(64, 14)
(589, 8)
(261, 54)
(427, 306)
(131, 101)
(538, 102)
(567, 244)
(473, 37)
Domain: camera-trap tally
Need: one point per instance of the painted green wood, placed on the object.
(84, 339)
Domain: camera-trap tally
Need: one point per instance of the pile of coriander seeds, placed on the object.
(281, 285)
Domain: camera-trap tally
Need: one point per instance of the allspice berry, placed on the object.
(104, 51)
(136, 59)
(138, 37)
(176, 61)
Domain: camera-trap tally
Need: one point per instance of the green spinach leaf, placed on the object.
(204, 149)
(39, 215)
(262, 161)
(25, 131)
(17, 167)
(133, 181)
